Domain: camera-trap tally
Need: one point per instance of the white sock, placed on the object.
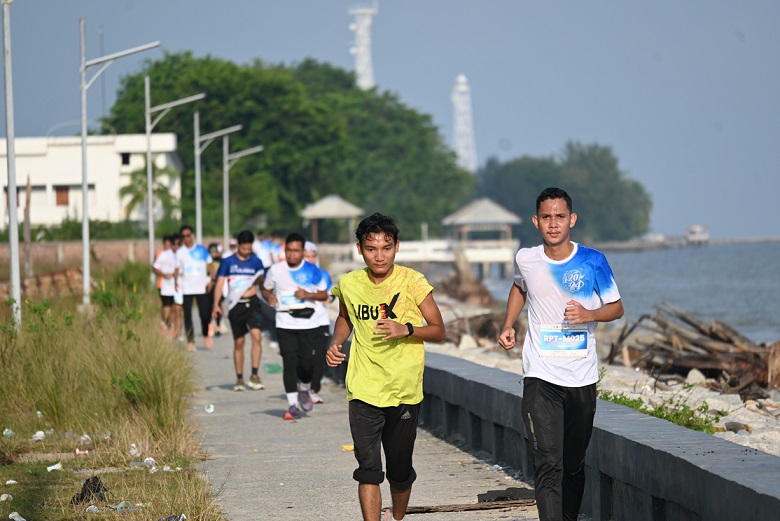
(304, 387)
(292, 398)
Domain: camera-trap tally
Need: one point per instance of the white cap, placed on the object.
(310, 246)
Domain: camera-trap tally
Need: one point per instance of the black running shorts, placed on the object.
(245, 315)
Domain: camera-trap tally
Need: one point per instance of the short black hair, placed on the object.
(175, 237)
(245, 237)
(295, 237)
(376, 223)
(166, 238)
(185, 227)
(553, 193)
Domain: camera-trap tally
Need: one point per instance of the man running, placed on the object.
(293, 286)
(194, 273)
(569, 289)
(385, 304)
(165, 268)
(243, 273)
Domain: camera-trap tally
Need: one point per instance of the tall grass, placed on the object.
(108, 373)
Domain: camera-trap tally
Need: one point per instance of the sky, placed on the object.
(684, 93)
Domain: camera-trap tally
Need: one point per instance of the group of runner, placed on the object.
(390, 311)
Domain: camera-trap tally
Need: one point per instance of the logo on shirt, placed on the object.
(573, 280)
(366, 312)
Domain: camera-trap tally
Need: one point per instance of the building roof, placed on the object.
(481, 211)
(331, 207)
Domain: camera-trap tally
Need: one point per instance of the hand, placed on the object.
(334, 356)
(216, 312)
(576, 314)
(272, 300)
(209, 285)
(390, 329)
(507, 338)
(301, 293)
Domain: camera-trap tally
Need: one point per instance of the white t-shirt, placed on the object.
(166, 264)
(284, 281)
(193, 269)
(554, 351)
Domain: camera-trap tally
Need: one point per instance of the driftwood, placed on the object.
(467, 507)
(672, 341)
(464, 286)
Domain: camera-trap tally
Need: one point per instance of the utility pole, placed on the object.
(364, 68)
(463, 126)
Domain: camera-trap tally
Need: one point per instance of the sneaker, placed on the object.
(239, 385)
(388, 515)
(293, 413)
(190, 346)
(315, 398)
(255, 382)
(304, 398)
(208, 342)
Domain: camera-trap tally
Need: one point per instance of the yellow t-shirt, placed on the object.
(384, 373)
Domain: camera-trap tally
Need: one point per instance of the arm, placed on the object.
(514, 305)
(576, 314)
(341, 332)
(176, 278)
(217, 296)
(319, 295)
(433, 331)
(268, 295)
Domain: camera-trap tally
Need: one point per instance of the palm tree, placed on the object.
(136, 190)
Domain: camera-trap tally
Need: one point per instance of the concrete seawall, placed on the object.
(638, 467)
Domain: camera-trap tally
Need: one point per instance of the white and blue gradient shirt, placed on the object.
(193, 269)
(284, 281)
(239, 275)
(585, 276)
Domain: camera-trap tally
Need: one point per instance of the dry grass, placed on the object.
(112, 376)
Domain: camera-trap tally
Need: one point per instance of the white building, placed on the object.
(53, 165)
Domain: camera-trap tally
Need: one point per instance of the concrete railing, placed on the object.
(638, 467)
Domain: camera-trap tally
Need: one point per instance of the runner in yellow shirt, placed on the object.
(385, 305)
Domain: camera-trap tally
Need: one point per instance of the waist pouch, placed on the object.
(301, 313)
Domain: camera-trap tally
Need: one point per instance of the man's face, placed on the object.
(310, 256)
(378, 251)
(189, 240)
(554, 221)
(294, 253)
(175, 245)
(166, 245)
(244, 251)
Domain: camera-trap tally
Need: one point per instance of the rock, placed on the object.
(467, 342)
(695, 377)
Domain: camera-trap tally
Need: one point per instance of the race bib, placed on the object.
(564, 340)
(288, 300)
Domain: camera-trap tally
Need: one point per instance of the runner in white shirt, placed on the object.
(194, 272)
(293, 287)
(165, 268)
(569, 289)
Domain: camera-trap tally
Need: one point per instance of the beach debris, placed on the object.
(38, 436)
(92, 509)
(347, 448)
(134, 450)
(124, 507)
(463, 284)
(209, 408)
(735, 427)
(11, 482)
(8, 433)
(16, 517)
(6, 497)
(39, 414)
(78, 452)
(670, 341)
(56, 466)
(85, 439)
(93, 489)
(147, 462)
(272, 368)
(180, 517)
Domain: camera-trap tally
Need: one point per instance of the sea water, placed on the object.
(738, 284)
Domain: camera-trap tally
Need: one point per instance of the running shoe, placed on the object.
(239, 385)
(316, 397)
(293, 413)
(388, 515)
(255, 382)
(304, 398)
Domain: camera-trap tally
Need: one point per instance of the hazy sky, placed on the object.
(685, 93)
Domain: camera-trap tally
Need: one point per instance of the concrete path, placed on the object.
(262, 467)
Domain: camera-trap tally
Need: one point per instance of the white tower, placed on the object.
(463, 127)
(364, 68)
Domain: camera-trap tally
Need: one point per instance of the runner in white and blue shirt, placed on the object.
(241, 275)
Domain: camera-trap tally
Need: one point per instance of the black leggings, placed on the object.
(319, 358)
(559, 422)
(204, 310)
(297, 347)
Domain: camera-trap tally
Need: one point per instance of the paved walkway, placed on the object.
(262, 467)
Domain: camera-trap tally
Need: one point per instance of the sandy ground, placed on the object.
(763, 427)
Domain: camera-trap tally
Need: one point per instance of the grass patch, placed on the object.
(98, 382)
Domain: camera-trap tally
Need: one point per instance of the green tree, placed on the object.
(137, 190)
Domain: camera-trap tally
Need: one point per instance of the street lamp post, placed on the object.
(201, 142)
(163, 109)
(106, 61)
(10, 138)
(228, 160)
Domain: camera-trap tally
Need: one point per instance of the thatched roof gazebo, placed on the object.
(482, 215)
(330, 207)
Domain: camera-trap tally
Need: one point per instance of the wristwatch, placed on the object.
(410, 327)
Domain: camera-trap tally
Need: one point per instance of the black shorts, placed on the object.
(245, 315)
(167, 300)
(395, 428)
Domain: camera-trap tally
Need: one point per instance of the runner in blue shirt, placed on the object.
(243, 273)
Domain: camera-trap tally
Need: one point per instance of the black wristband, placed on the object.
(410, 327)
